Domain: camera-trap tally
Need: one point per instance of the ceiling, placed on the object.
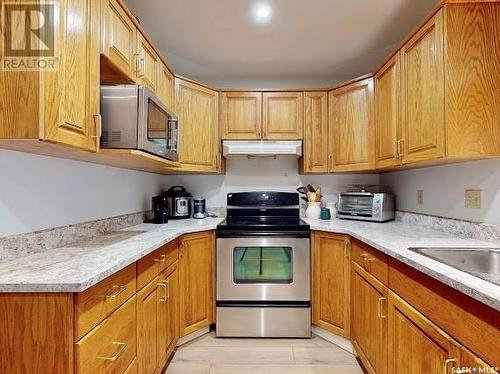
(306, 43)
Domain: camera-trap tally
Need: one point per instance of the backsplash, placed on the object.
(14, 246)
(460, 228)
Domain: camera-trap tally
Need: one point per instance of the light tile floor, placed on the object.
(209, 355)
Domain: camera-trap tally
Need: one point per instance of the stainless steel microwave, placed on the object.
(366, 206)
(133, 117)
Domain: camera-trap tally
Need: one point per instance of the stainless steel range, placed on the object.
(263, 267)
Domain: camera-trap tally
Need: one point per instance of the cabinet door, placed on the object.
(241, 115)
(197, 108)
(416, 345)
(388, 114)
(118, 37)
(331, 282)
(196, 288)
(71, 93)
(172, 310)
(166, 87)
(369, 320)
(149, 63)
(315, 159)
(351, 127)
(283, 115)
(423, 93)
(148, 324)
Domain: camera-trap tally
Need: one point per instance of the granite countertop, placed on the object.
(78, 266)
(394, 239)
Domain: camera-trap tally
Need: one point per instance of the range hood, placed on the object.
(261, 148)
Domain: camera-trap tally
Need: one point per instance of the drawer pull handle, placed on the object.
(379, 311)
(366, 257)
(121, 348)
(165, 295)
(117, 292)
(162, 258)
(446, 362)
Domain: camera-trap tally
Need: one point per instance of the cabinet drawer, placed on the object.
(371, 260)
(100, 300)
(153, 264)
(111, 346)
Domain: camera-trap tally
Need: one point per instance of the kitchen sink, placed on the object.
(481, 262)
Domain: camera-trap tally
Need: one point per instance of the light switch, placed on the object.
(473, 199)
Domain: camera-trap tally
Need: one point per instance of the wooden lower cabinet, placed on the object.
(416, 345)
(196, 269)
(157, 315)
(148, 326)
(369, 319)
(331, 282)
(169, 315)
(111, 346)
(132, 368)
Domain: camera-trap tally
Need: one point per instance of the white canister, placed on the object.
(313, 210)
(333, 209)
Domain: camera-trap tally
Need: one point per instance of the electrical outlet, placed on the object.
(420, 197)
(473, 199)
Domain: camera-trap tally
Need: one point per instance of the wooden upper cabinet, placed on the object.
(166, 87)
(315, 158)
(388, 114)
(416, 345)
(241, 115)
(351, 127)
(283, 115)
(331, 282)
(369, 319)
(149, 62)
(196, 281)
(118, 37)
(71, 100)
(423, 93)
(197, 108)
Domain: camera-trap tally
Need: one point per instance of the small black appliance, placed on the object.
(160, 209)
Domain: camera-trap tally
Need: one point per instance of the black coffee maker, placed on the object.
(160, 209)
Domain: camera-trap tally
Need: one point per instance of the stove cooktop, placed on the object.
(263, 214)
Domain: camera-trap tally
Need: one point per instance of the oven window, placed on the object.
(262, 264)
(157, 124)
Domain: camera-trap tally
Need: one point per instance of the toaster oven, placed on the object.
(366, 206)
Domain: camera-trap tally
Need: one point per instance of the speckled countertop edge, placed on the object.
(395, 238)
(76, 267)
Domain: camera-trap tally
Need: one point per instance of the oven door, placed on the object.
(263, 269)
(158, 128)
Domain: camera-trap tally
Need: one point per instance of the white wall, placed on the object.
(39, 192)
(444, 188)
(263, 174)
